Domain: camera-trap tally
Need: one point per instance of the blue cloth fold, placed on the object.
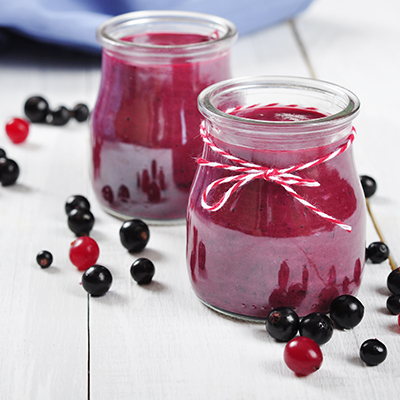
(73, 23)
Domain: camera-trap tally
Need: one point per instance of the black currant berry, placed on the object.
(44, 259)
(369, 185)
(3, 154)
(134, 235)
(9, 171)
(76, 201)
(80, 221)
(80, 112)
(36, 109)
(377, 252)
(58, 117)
(282, 324)
(142, 271)
(393, 304)
(393, 281)
(317, 327)
(346, 311)
(97, 280)
(373, 352)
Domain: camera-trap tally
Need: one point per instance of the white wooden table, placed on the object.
(160, 342)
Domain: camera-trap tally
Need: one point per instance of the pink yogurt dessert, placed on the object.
(264, 249)
(145, 125)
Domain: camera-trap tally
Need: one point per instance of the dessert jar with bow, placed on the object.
(276, 214)
(144, 127)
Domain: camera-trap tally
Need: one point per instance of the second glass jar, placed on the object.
(144, 127)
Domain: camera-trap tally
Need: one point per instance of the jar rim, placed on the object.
(210, 111)
(107, 40)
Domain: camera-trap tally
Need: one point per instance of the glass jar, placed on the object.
(144, 127)
(276, 214)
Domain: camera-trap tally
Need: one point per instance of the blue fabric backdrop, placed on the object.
(73, 23)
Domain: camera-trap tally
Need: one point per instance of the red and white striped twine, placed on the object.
(247, 171)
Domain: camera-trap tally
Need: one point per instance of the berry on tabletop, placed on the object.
(134, 235)
(44, 258)
(80, 221)
(59, 116)
(369, 185)
(80, 112)
(346, 311)
(303, 356)
(393, 304)
(76, 201)
(36, 109)
(17, 129)
(84, 252)
(377, 252)
(393, 281)
(373, 352)
(97, 280)
(9, 171)
(317, 327)
(142, 271)
(282, 324)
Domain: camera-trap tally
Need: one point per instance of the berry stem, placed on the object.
(378, 231)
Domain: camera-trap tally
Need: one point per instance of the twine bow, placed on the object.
(247, 171)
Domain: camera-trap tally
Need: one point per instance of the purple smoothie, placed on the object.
(264, 249)
(145, 128)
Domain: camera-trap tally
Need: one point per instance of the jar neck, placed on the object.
(286, 138)
(162, 36)
(278, 151)
(334, 110)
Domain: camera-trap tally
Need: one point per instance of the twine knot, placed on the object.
(247, 171)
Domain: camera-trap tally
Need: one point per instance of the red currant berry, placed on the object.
(17, 130)
(303, 356)
(84, 252)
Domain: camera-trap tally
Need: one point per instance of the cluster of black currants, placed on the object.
(346, 312)
(97, 279)
(134, 236)
(37, 109)
(9, 169)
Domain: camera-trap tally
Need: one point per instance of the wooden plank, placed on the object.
(43, 349)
